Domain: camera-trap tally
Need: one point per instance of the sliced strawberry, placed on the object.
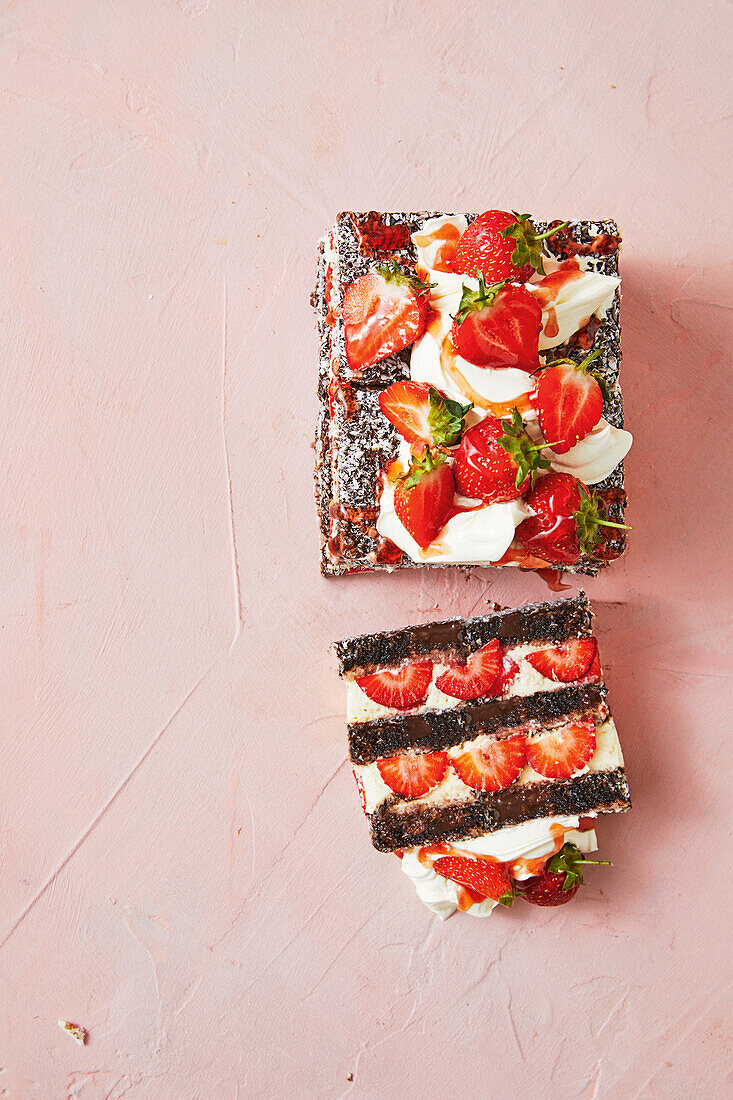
(423, 498)
(502, 245)
(497, 460)
(566, 663)
(421, 414)
(383, 312)
(360, 789)
(567, 520)
(476, 677)
(412, 774)
(400, 688)
(498, 326)
(569, 402)
(594, 672)
(491, 765)
(480, 875)
(561, 752)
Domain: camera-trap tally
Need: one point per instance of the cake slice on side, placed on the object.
(483, 739)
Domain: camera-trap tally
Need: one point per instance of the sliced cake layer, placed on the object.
(461, 728)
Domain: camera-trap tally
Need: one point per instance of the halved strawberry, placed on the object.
(476, 677)
(497, 460)
(561, 752)
(503, 245)
(423, 498)
(399, 688)
(567, 519)
(481, 875)
(491, 765)
(412, 774)
(422, 414)
(565, 663)
(498, 326)
(569, 402)
(383, 312)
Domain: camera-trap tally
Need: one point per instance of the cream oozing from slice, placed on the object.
(529, 841)
(451, 789)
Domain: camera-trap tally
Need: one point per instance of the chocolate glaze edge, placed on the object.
(549, 621)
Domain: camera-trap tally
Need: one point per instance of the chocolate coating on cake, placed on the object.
(398, 825)
(552, 621)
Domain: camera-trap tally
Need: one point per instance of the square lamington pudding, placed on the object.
(471, 413)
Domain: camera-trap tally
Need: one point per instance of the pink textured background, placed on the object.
(185, 869)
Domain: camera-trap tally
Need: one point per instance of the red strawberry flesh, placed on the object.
(476, 677)
(413, 774)
(561, 752)
(489, 764)
(400, 688)
(566, 663)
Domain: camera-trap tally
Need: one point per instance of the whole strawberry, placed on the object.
(496, 460)
(502, 246)
(562, 877)
(567, 519)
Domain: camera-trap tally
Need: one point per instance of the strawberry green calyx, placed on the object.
(391, 272)
(528, 249)
(474, 300)
(590, 517)
(507, 899)
(445, 419)
(430, 460)
(520, 447)
(582, 366)
(570, 860)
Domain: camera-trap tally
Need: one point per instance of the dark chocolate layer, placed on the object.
(552, 621)
(397, 825)
(436, 730)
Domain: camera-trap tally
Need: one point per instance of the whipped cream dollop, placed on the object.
(596, 455)
(588, 294)
(530, 840)
(477, 537)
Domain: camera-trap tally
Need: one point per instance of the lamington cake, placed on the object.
(470, 407)
(484, 750)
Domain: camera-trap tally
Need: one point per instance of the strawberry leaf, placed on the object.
(528, 249)
(522, 450)
(420, 466)
(569, 861)
(391, 272)
(589, 519)
(474, 300)
(445, 419)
